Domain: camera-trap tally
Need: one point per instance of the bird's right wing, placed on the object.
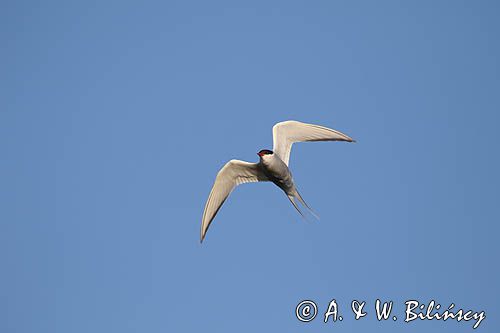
(234, 173)
(286, 133)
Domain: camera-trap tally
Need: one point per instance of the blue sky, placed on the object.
(115, 117)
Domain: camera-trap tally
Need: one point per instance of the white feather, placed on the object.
(234, 173)
(288, 132)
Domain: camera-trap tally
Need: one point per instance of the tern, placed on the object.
(273, 167)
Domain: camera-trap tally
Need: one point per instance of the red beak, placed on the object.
(260, 154)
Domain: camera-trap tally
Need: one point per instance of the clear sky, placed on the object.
(115, 117)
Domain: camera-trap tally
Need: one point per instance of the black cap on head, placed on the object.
(265, 152)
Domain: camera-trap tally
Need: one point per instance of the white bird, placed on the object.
(273, 166)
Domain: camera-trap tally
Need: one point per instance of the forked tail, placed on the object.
(299, 197)
(292, 200)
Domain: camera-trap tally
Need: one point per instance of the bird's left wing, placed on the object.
(286, 133)
(234, 173)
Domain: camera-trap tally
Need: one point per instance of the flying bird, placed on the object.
(273, 167)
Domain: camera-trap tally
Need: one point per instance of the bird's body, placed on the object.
(277, 172)
(273, 167)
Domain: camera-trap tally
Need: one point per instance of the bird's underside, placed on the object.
(273, 166)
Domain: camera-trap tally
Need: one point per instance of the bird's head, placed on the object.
(265, 152)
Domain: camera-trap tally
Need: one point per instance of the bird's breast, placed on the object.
(278, 173)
